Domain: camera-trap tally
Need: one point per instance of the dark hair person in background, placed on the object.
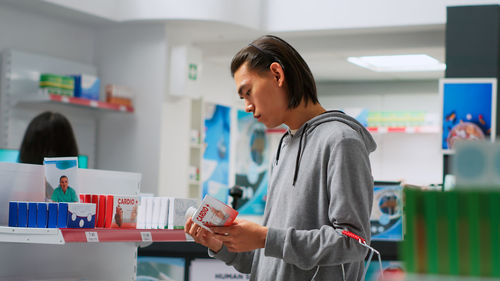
(48, 135)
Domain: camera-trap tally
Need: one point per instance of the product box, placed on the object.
(13, 213)
(125, 211)
(41, 215)
(81, 215)
(177, 211)
(213, 212)
(155, 223)
(118, 94)
(141, 214)
(62, 215)
(57, 84)
(108, 218)
(101, 211)
(163, 212)
(22, 218)
(148, 205)
(87, 86)
(52, 215)
(32, 208)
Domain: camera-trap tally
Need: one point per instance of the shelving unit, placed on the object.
(71, 235)
(21, 99)
(407, 130)
(34, 253)
(196, 148)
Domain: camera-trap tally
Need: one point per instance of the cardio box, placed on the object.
(81, 215)
(213, 212)
(125, 211)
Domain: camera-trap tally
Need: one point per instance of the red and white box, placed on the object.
(213, 212)
(125, 211)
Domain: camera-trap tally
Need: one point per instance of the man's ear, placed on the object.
(278, 73)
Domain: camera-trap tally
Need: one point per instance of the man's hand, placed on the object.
(202, 236)
(242, 236)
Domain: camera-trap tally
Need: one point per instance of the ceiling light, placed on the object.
(399, 63)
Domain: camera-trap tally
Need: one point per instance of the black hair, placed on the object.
(48, 135)
(61, 177)
(265, 50)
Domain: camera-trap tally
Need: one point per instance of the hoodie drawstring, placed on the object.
(279, 147)
(297, 162)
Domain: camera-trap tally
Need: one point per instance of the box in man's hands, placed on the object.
(213, 212)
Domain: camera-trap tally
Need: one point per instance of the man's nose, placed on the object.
(249, 107)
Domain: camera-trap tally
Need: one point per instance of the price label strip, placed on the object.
(146, 237)
(92, 236)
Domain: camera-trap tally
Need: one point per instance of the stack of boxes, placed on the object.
(103, 211)
(51, 215)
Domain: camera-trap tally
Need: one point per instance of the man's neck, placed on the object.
(301, 114)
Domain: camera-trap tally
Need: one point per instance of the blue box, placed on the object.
(41, 215)
(22, 211)
(81, 215)
(13, 213)
(52, 218)
(32, 208)
(87, 86)
(62, 215)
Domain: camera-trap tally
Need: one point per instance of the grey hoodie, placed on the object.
(320, 182)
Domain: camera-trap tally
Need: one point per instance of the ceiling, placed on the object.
(325, 51)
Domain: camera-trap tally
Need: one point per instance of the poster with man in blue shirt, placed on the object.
(64, 192)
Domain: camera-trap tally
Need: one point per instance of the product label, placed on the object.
(213, 212)
(92, 236)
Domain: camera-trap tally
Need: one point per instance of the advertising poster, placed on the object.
(160, 268)
(61, 184)
(255, 145)
(215, 168)
(467, 110)
(214, 270)
(387, 213)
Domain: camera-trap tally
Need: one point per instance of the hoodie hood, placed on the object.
(328, 116)
(339, 116)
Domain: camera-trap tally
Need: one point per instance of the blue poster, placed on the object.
(216, 155)
(252, 164)
(386, 219)
(467, 111)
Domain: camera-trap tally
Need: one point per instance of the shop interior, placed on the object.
(170, 61)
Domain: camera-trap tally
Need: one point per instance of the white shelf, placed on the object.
(71, 235)
(197, 146)
(406, 130)
(44, 96)
(31, 235)
(193, 182)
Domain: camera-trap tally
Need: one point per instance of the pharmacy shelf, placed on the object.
(44, 96)
(71, 235)
(407, 130)
(31, 235)
(122, 235)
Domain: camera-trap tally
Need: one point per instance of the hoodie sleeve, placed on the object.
(240, 261)
(350, 190)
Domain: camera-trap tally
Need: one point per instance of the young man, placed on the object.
(320, 180)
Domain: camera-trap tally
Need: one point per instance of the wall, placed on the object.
(133, 55)
(415, 158)
(33, 32)
(216, 86)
